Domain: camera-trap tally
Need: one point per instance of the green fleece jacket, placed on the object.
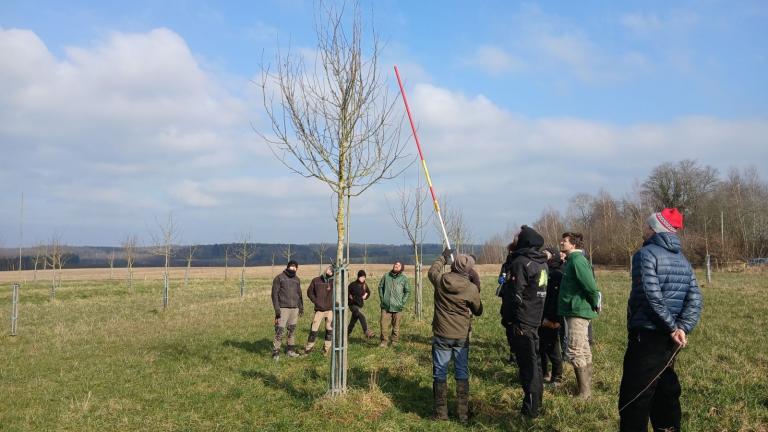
(579, 295)
(394, 291)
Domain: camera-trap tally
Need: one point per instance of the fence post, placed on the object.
(14, 308)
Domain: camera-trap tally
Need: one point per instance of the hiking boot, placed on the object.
(440, 395)
(462, 400)
(326, 350)
(291, 352)
(369, 334)
(275, 355)
(547, 377)
(383, 344)
(394, 344)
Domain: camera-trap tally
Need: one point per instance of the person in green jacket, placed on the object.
(578, 303)
(393, 294)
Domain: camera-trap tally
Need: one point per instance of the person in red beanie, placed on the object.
(663, 308)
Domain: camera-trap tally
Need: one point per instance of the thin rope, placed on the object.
(671, 359)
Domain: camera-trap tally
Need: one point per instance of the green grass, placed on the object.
(103, 358)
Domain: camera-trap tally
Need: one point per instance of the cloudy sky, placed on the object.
(113, 115)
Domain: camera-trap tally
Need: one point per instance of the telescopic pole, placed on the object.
(423, 162)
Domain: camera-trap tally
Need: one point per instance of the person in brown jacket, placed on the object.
(456, 300)
(320, 292)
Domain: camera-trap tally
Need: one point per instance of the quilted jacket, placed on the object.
(665, 295)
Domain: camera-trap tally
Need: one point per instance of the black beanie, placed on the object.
(529, 238)
(292, 263)
(361, 273)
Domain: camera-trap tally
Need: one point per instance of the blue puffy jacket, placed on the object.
(665, 295)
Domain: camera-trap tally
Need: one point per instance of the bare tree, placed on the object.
(287, 253)
(551, 226)
(681, 185)
(334, 122)
(163, 240)
(456, 226)
(226, 261)
(40, 253)
(407, 215)
(129, 252)
(191, 249)
(244, 252)
(111, 262)
(320, 251)
(55, 260)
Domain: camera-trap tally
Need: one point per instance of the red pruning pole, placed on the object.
(423, 162)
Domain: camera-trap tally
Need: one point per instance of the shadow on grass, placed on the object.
(407, 394)
(256, 347)
(300, 395)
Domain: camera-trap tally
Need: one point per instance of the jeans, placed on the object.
(442, 351)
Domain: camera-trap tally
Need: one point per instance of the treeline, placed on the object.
(725, 216)
(213, 255)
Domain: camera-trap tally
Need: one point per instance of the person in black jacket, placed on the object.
(663, 308)
(320, 292)
(522, 305)
(549, 340)
(358, 293)
(289, 306)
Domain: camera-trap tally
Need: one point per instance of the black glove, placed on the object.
(447, 253)
(277, 315)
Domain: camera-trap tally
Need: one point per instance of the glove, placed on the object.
(277, 316)
(301, 312)
(447, 253)
(502, 279)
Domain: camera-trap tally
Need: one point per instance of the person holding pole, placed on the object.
(664, 306)
(393, 295)
(457, 299)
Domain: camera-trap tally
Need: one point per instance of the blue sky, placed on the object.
(111, 115)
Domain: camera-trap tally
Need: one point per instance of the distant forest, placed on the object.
(215, 255)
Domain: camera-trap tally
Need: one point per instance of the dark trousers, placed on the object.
(647, 353)
(524, 340)
(357, 315)
(549, 350)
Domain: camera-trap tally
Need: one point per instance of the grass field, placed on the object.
(102, 358)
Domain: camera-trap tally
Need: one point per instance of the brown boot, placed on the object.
(462, 400)
(440, 394)
(584, 381)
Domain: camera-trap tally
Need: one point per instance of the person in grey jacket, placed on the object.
(664, 306)
(289, 306)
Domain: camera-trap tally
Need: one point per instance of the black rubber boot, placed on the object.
(440, 394)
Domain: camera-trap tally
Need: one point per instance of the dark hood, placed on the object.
(530, 253)
(529, 238)
(668, 241)
(555, 264)
(462, 264)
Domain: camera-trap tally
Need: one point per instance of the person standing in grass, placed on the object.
(358, 293)
(522, 306)
(289, 306)
(456, 300)
(393, 295)
(320, 293)
(664, 306)
(549, 337)
(578, 303)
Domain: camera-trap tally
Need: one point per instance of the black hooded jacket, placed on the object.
(524, 292)
(554, 277)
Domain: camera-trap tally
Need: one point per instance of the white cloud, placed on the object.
(494, 60)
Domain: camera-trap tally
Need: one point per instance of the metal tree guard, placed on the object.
(14, 308)
(338, 379)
